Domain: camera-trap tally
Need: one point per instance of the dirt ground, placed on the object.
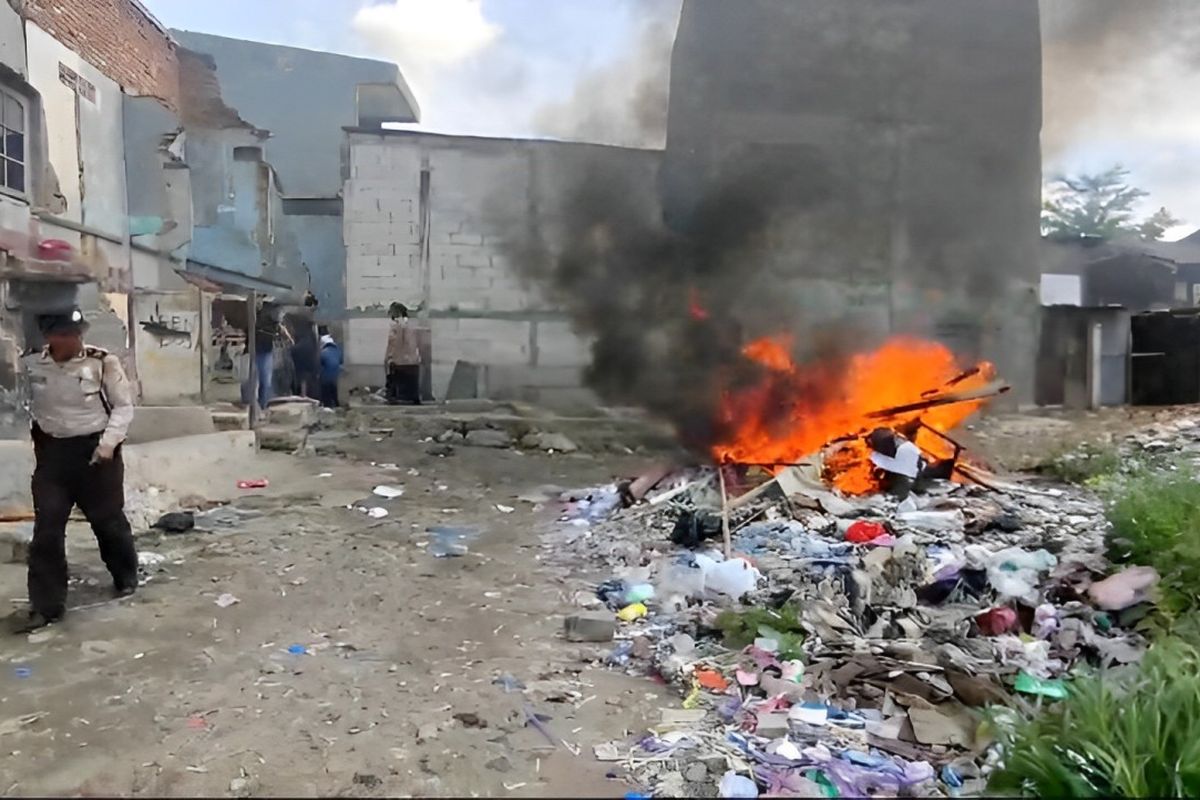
(170, 694)
(1022, 441)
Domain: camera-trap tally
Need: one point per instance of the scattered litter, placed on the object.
(509, 684)
(377, 512)
(450, 542)
(22, 672)
(631, 612)
(297, 649)
(505, 509)
(254, 483)
(176, 522)
(1029, 684)
(863, 531)
(148, 559)
(837, 646)
(734, 785)
(1124, 589)
(388, 492)
(226, 600)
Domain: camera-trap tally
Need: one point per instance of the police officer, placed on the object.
(81, 406)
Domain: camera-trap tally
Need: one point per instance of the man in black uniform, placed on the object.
(81, 405)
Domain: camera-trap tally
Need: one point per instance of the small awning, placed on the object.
(226, 280)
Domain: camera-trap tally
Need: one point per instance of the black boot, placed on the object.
(28, 623)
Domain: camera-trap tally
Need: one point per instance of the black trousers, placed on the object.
(404, 384)
(304, 372)
(329, 394)
(62, 479)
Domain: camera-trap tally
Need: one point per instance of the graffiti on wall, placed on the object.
(173, 329)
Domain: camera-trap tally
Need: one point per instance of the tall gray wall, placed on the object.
(899, 143)
(484, 197)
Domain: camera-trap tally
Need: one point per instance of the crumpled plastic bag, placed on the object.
(734, 785)
(1014, 572)
(1124, 589)
(933, 521)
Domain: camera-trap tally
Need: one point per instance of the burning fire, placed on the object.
(795, 410)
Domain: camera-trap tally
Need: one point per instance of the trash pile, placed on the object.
(842, 646)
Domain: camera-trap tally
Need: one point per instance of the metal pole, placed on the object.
(202, 343)
(252, 349)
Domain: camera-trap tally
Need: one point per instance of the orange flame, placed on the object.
(795, 411)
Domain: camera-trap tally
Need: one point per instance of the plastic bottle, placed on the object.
(733, 578)
(683, 578)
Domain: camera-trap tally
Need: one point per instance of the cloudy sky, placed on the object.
(486, 67)
(1122, 76)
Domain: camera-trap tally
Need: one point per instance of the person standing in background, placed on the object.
(331, 369)
(82, 405)
(402, 360)
(266, 330)
(305, 350)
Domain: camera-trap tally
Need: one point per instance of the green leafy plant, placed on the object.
(741, 628)
(1137, 736)
(1155, 519)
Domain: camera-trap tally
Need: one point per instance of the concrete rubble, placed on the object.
(872, 634)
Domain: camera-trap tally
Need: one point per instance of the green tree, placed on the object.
(1100, 205)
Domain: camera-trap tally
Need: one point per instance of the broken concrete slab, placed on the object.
(590, 627)
(16, 467)
(487, 437)
(773, 725)
(556, 442)
(158, 474)
(293, 411)
(152, 423)
(948, 724)
(14, 543)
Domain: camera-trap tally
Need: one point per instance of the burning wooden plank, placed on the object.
(993, 389)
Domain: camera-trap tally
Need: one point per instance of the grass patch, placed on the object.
(1137, 737)
(1155, 518)
(1084, 464)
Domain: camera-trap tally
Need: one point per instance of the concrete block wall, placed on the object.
(482, 196)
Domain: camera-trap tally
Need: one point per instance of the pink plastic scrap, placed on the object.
(1127, 588)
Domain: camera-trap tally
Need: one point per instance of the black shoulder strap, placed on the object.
(101, 354)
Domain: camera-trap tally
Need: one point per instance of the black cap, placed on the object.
(65, 322)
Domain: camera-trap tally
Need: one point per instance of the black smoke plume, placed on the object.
(669, 313)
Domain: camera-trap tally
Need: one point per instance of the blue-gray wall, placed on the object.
(323, 253)
(304, 98)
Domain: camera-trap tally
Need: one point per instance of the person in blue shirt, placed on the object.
(331, 368)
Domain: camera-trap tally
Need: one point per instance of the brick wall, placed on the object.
(115, 36)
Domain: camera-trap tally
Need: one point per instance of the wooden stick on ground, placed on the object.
(725, 515)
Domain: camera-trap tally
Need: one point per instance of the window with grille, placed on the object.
(12, 142)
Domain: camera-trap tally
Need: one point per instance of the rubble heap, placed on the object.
(848, 646)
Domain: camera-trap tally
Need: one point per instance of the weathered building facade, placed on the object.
(133, 185)
(67, 65)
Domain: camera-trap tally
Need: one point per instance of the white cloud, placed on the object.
(426, 37)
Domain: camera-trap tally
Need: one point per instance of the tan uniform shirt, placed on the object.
(68, 399)
(402, 349)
